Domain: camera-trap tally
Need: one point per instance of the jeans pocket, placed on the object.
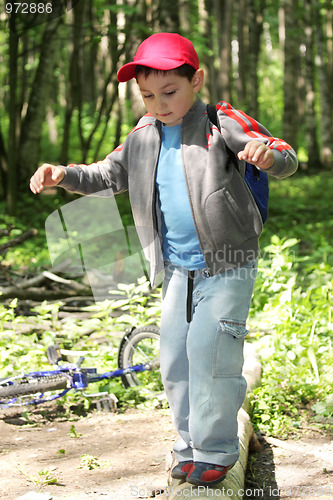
(236, 328)
(228, 349)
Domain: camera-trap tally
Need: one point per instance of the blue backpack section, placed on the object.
(256, 179)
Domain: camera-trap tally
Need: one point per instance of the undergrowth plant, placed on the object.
(44, 477)
(292, 320)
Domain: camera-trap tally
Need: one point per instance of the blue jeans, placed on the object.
(201, 361)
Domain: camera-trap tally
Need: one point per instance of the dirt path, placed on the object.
(124, 458)
(129, 452)
(293, 468)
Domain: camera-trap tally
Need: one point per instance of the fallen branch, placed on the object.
(74, 285)
(38, 294)
(28, 288)
(6, 232)
(18, 239)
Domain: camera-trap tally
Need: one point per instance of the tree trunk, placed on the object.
(66, 135)
(243, 50)
(329, 39)
(70, 84)
(213, 82)
(40, 92)
(90, 56)
(223, 11)
(255, 16)
(168, 15)
(325, 90)
(290, 49)
(23, 78)
(3, 166)
(76, 71)
(107, 94)
(310, 111)
(12, 172)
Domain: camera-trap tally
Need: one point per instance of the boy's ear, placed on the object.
(197, 80)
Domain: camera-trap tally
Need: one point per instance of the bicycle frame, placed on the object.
(78, 379)
(135, 355)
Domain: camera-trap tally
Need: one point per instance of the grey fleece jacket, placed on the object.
(226, 217)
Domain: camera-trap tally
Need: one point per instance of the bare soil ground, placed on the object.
(123, 457)
(293, 468)
(113, 456)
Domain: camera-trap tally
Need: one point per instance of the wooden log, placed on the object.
(32, 288)
(232, 487)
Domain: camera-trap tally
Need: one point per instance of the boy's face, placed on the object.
(168, 96)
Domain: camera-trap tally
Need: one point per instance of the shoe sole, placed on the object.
(179, 475)
(197, 482)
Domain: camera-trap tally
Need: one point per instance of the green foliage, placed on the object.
(297, 361)
(301, 207)
(31, 213)
(270, 75)
(136, 304)
(44, 477)
(292, 308)
(89, 462)
(73, 433)
(19, 351)
(325, 407)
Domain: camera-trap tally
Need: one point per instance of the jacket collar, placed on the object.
(192, 116)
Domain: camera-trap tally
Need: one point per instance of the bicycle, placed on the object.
(138, 354)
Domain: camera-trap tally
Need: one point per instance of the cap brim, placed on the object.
(127, 72)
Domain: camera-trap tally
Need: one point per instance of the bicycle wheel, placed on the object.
(140, 346)
(24, 385)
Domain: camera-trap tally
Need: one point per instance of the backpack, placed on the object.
(256, 179)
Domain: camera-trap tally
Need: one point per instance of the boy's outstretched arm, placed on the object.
(258, 154)
(46, 176)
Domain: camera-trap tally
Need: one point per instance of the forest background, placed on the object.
(59, 97)
(60, 103)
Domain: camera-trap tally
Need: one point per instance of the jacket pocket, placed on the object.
(228, 349)
(232, 216)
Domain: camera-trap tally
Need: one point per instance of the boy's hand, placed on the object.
(46, 176)
(258, 154)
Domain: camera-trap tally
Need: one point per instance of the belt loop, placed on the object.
(190, 280)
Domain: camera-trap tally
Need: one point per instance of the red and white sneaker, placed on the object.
(203, 474)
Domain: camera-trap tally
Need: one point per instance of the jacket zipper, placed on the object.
(208, 270)
(154, 198)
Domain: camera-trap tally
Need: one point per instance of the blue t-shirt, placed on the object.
(180, 241)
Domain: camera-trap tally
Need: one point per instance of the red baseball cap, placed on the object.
(164, 51)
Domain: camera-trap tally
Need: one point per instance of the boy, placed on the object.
(184, 188)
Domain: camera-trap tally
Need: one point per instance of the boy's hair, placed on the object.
(185, 71)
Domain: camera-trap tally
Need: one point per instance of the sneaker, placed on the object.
(203, 474)
(181, 470)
